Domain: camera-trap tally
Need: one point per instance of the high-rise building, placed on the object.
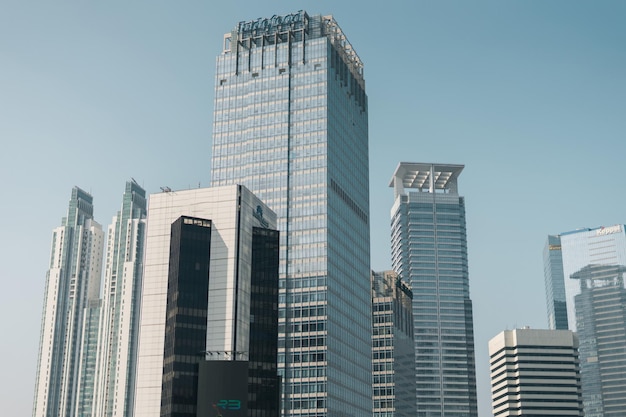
(555, 284)
(535, 373)
(67, 360)
(429, 251)
(210, 272)
(118, 328)
(291, 124)
(594, 263)
(186, 314)
(393, 356)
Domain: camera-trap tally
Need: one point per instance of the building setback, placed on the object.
(593, 265)
(210, 294)
(429, 251)
(393, 355)
(535, 373)
(67, 360)
(290, 123)
(121, 297)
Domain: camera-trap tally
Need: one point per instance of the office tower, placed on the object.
(186, 314)
(290, 123)
(594, 262)
(117, 345)
(555, 284)
(535, 373)
(71, 310)
(429, 250)
(393, 354)
(206, 256)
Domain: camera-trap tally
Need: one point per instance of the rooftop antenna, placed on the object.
(166, 189)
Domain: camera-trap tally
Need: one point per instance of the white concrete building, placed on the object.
(64, 383)
(535, 373)
(232, 212)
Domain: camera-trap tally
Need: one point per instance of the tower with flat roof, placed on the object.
(429, 251)
(535, 373)
(291, 124)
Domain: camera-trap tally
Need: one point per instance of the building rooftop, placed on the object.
(425, 177)
(294, 27)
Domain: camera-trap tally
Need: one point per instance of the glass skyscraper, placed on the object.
(67, 360)
(555, 284)
(429, 251)
(118, 328)
(593, 270)
(291, 124)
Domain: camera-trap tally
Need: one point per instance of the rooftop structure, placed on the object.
(425, 177)
(291, 124)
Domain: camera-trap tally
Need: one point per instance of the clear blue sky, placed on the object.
(529, 95)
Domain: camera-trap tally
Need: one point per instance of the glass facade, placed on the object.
(186, 322)
(429, 251)
(65, 369)
(186, 319)
(393, 355)
(242, 279)
(555, 284)
(290, 123)
(88, 359)
(594, 263)
(263, 380)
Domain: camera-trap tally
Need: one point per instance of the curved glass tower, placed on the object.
(290, 123)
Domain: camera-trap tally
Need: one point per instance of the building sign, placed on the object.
(272, 23)
(223, 389)
(609, 230)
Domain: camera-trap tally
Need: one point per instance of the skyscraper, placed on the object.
(67, 358)
(206, 255)
(429, 251)
(555, 284)
(186, 314)
(535, 373)
(118, 327)
(290, 123)
(594, 264)
(393, 355)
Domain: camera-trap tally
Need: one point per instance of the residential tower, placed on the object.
(69, 329)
